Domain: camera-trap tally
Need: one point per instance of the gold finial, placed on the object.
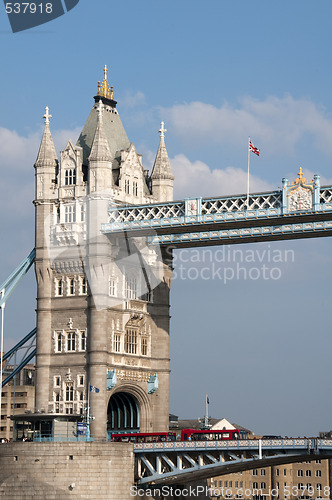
(104, 89)
(300, 178)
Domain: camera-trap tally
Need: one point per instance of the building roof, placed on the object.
(115, 133)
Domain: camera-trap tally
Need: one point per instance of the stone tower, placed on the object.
(102, 301)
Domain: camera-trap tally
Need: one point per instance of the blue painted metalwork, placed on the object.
(162, 463)
(20, 344)
(9, 285)
(246, 234)
(153, 384)
(59, 439)
(111, 380)
(19, 367)
(208, 221)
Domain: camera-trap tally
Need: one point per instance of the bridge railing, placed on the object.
(205, 210)
(253, 444)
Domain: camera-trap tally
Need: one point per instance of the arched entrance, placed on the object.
(122, 413)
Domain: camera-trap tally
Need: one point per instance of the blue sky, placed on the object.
(215, 72)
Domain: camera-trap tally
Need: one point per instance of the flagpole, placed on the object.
(248, 174)
(88, 415)
(206, 412)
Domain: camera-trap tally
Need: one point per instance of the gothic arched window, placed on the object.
(70, 176)
(83, 341)
(59, 342)
(69, 393)
(71, 288)
(131, 341)
(59, 287)
(70, 213)
(71, 341)
(131, 287)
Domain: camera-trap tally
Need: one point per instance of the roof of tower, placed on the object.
(114, 132)
(100, 149)
(162, 167)
(46, 154)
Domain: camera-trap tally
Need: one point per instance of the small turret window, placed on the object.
(83, 341)
(70, 177)
(59, 287)
(59, 342)
(71, 286)
(83, 285)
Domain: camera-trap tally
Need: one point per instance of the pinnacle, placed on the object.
(162, 167)
(47, 154)
(100, 150)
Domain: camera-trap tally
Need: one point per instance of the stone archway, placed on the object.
(129, 409)
(123, 413)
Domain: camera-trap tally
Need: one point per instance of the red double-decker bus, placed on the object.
(213, 435)
(186, 435)
(143, 437)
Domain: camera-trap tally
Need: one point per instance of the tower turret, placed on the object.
(100, 158)
(46, 163)
(162, 178)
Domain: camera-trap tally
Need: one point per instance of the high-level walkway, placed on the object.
(180, 462)
(300, 209)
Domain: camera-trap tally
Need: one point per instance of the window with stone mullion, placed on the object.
(131, 341)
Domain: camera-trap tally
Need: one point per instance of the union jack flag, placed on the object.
(253, 148)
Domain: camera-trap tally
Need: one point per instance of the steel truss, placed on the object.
(209, 221)
(179, 462)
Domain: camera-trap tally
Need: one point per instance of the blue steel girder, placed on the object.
(163, 463)
(222, 221)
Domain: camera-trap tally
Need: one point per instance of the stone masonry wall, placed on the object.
(61, 471)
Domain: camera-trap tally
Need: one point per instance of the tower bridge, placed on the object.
(181, 462)
(103, 265)
(229, 219)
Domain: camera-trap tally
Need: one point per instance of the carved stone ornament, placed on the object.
(300, 195)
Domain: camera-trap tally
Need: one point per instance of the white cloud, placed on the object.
(61, 137)
(17, 157)
(132, 100)
(16, 151)
(197, 179)
(277, 124)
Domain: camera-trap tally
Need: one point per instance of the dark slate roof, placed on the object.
(115, 133)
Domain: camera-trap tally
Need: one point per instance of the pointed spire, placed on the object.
(47, 154)
(162, 167)
(100, 150)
